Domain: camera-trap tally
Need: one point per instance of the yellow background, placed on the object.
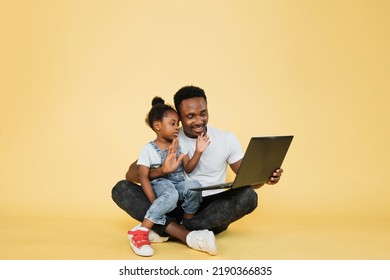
(77, 78)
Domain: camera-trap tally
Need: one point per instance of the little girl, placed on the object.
(165, 192)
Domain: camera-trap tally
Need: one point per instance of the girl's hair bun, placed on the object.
(157, 100)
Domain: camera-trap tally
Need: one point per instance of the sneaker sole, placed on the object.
(139, 252)
(214, 250)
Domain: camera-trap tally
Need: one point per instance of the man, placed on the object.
(219, 208)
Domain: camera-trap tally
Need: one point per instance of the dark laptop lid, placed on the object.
(262, 157)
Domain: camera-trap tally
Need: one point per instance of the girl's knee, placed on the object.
(171, 197)
(193, 184)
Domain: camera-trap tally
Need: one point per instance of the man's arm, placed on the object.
(235, 166)
(133, 173)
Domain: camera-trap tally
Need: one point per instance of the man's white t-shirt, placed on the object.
(224, 149)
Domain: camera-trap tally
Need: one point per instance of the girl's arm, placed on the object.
(201, 144)
(145, 182)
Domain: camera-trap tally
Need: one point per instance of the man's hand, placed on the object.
(132, 174)
(272, 180)
(172, 162)
(275, 177)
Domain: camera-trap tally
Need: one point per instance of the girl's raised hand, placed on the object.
(202, 142)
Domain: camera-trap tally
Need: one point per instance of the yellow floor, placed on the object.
(257, 236)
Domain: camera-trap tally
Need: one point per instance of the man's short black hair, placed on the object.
(186, 93)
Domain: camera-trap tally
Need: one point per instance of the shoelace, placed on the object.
(139, 238)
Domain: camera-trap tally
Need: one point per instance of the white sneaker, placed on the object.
(154, 237)
(139, 241)
(202, 240)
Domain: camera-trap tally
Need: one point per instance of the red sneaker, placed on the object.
(140, 241)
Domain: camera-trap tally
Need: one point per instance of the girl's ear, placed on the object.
(156, 125)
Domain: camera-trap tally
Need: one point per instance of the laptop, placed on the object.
(262, 157)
